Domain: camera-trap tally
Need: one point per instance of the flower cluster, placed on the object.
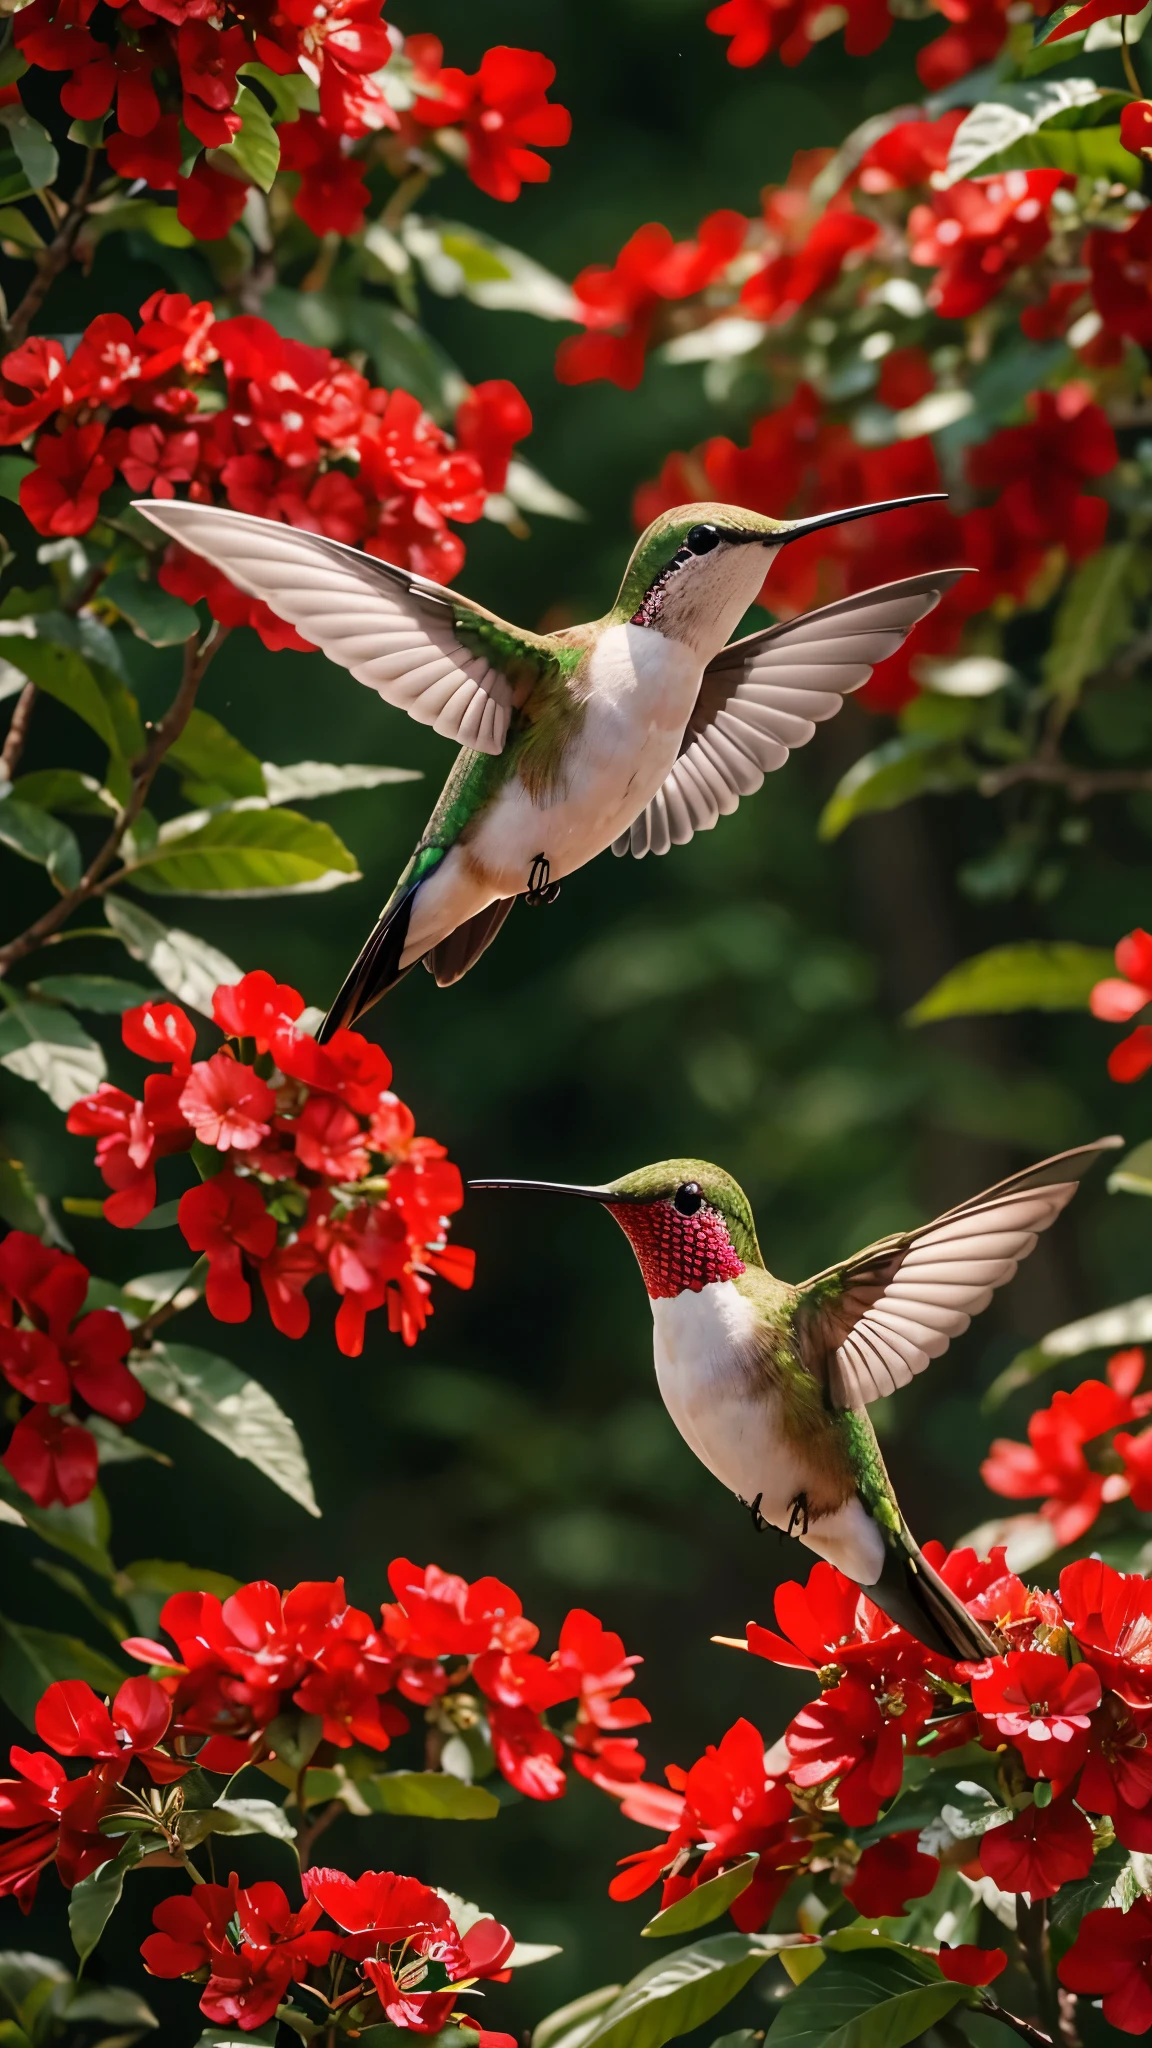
(1055, 1463)
(248, 1675)
(229, 412)
(975, 35)
(319, 1168)
(1064, 1711)
(168, 69)
(410, 1959)
(1118, 1000)
(58, 1360)
(799, 461)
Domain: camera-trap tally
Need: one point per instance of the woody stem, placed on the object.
(53, 259)
(1126, 58)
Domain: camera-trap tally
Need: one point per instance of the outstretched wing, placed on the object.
(870, 1325)
(765, 695)
(403, 635)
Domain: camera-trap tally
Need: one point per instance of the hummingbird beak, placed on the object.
(797, 528)
(548, 1187)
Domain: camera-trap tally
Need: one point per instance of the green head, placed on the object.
(688, 1222)
(696, 569)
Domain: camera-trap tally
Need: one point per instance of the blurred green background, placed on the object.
(741, 1000)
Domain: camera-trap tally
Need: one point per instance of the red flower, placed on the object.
(257, 1007)
(889, 1873)
(53, 34)
(1121, 266)
(246, 1982)
(847, 1735)
(227, 1105)
(907, 154)
(1094, 10)
(333, 196)
(489, 421)
(75, 1722)
(1117, 1777)
(758, 27)
(1037, 470)
(977, 232)
(968, 1965)
(1117, 1001)
(130, 1137)
(61, 1822)
(1043, 1848)
(160, 1031)
(1136, 126)
(155, 157)
(1112, 1954)
(502, 108)
(906, 376)
(829, 1621)
(348, 43)
(51, 1459)
(62, 494)
(209, 59)
(225, 1217)
(618, 304)
(329, 1138)
(1041, 1705)
(1110, 1615)
(1053, 1460)
(793, 277)
(209, 202)
(975, 37)
(440, 1615)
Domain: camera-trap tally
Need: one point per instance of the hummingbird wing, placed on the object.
(871, 1324)
(761, 697)
(445, 661)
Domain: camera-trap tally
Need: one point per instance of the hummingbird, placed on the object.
(770, 1383)
(634, 731)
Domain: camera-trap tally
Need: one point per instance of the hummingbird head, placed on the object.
(688, 1222)
(696, 569)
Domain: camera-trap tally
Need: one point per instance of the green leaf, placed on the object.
(706, 1903)
(1034, 975)
(1014, 130)
(117, 1625)
(402, 352)
(81, 1532)
(16, 227)
(290, 95)
(432, 1795)
(153, 614)
(13, 470)
(245, 853)
(909, 765)
(570, 2025)
(227, 1405)
(239, 1817)
(95, 1898)
(31, 1659)
(458, 260)
(22, 1974)
(65, 789)
(44, 1044)
(1095, 616)
(232, 2037)
(1107, 1330)
(37, 836)
(303, 780)
(64, 674)
(876, 2000)
(187, 966)
(256, 149)
(33, 145)
(112, 2003)
(101, 993)
(19, 1199)
(213, 766)
(164, 1575)
(1133, 1176)
(682, 1991)
(1084, 1895)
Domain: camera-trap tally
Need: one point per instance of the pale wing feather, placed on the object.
(393, 630)
(764, 696)
(904, 1300)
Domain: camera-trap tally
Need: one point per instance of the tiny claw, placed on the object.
(540, 889)
(798, 1514)
(753, 1508)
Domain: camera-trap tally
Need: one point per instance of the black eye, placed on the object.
(700, 540)
(687, 1198)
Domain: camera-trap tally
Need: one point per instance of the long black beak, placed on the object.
(547, 1187)
(797, 528)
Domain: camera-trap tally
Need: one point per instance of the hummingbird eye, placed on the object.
(700, 540)
(688, 1198)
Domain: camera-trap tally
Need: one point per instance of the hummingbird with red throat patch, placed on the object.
(634, 731)
(770, 1383)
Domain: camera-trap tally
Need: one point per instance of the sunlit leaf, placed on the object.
(570, 2025)
(1095, 616)
(187, 966)
(153, 614)
(45, 1044)
(1036, 974)
(908, 766)
(460, 261)
(240, 1817)
(706, 1902)
(245, 853)
(1133, 1176)
(31, 1659)
(37, 836)
(1107, 1330)
(81, 1532)
(112, 2004)
(681, 1991)
(65, 789)
(234, 1409)
(256, 149)
(101, 993)
(94, 1900)
(433, 1795)
(990, 136)
(213, 766)
(877, 2000)
(301, 781)
(33, 145)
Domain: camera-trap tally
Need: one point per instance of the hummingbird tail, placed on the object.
(913, 1594)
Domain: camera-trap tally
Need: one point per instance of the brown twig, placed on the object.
(309, 1832)
(55, 258)
(17, 732)
(96, 880)
(1027, 2032)
(1081, 783)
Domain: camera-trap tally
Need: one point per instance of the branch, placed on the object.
(309, 1832)
(1081, 783)
(1035, 2036)
(55, 258)
(17, 732)
(93, 883)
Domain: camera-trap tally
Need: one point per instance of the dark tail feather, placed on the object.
(452, 958)
(377, 968)
(914, 1595)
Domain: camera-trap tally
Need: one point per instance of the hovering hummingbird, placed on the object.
(769, 1384)
(634, 731)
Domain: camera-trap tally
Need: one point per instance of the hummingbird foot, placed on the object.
(753, 1507)
(540, 889)
(798, 1516)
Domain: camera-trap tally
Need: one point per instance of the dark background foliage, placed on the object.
(740, 1001)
